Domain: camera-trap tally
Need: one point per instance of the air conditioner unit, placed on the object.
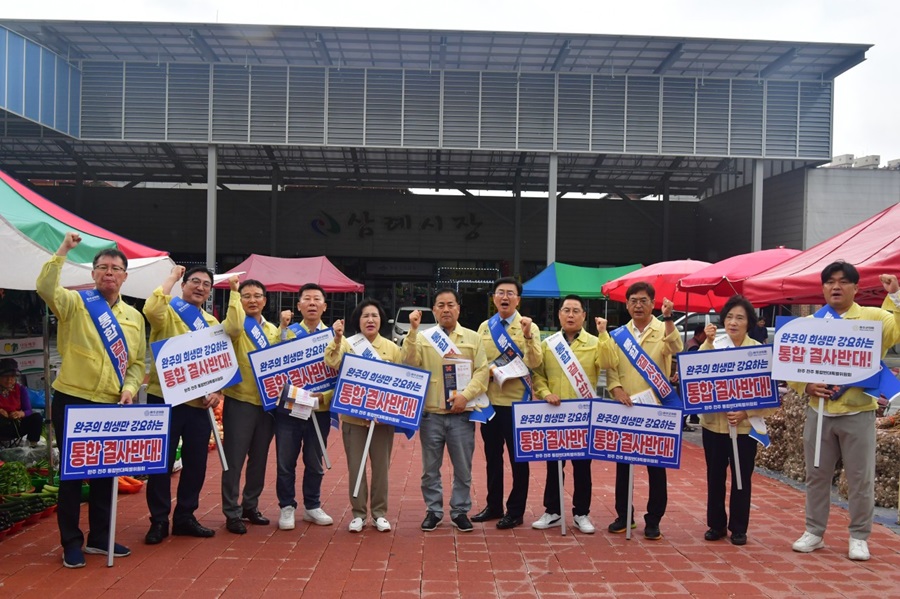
(871, 161)
(842, 161)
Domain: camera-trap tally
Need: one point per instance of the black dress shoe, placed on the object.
(508, 521)
(714, 535)
(738, 538)
(462, 523)
(158, 531)
(191, 528)
(486, 515)
(430, 522)
(255, 517)
(236, 525)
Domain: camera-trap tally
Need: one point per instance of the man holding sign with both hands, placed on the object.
(168, 317)
(848, 427)
(102, 344)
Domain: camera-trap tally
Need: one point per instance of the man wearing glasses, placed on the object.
(168, 317)
(102, 344)
(506, 329)
(248, 428)
(445, 421)
(660, 342)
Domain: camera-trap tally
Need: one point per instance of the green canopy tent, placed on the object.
(559, 280)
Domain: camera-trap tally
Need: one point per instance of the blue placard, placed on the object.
(725, 380)
(646, 435)
(103, 441)
(300, 362)
(544, 432)
(381, 391)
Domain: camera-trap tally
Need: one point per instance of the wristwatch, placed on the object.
(668, 318)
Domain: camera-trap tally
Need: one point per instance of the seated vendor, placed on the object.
(16, 418)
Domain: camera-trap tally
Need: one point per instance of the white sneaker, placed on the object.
(859, 550)
(546, 521)
(382, 524)
(356, 525)
(584, 524)
(808, 543)
(317, 516)
(286, 519)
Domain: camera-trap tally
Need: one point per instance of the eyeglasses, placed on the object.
(250, 296)
(639, 301)
(575, 311)
(505, 293)
(200, 282)
(106, 268)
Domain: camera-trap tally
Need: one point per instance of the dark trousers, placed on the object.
(293, 436)
(495, 433)
(248, 434)
(657, 500)
(30, 426)
(719, 457)
(68, 511)
(192, 426)
(581, 477)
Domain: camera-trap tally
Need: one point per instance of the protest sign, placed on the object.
(725, 380)
(195, 364)
(376, 390)
(299, 362)
(639, 434)
(827, 350)
(103, 441)
(544, 432)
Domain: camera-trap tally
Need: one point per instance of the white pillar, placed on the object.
(211, 206)
(551, 210)
(757, 207)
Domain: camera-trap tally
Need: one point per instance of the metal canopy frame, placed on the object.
(30, 151)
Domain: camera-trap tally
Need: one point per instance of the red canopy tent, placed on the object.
(289, 274)
(726, 277)
(872, 246)
(664, 276)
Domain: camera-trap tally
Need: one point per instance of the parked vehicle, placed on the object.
(400, 323)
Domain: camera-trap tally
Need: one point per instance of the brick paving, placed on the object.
(330, 562)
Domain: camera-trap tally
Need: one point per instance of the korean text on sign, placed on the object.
(639, 434)
(544, 432)
(107, 441)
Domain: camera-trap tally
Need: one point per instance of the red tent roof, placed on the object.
(131, 249)
(290, 274)
(872, 246)
(726, 277)
(664, 276)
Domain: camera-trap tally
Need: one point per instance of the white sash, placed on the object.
(443, 346)
(362, 347)
(440, 341)
(570, 365)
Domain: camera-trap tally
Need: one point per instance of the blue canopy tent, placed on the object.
(559, 280)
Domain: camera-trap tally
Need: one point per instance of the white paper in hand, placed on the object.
(300, 402)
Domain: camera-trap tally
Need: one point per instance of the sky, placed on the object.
(865, 104)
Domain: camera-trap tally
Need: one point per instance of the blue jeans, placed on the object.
(293, 435)
(457, 433)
